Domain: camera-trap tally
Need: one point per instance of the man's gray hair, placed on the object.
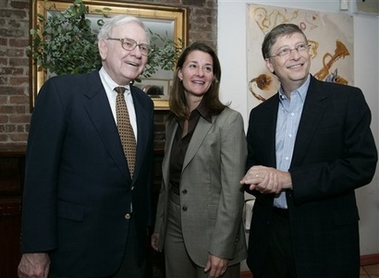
(106, 31)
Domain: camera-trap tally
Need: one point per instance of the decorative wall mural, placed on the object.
(329, 34)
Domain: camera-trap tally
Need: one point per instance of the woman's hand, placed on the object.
(154, 241)
(216, 266)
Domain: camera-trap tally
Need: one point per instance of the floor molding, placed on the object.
(365, 260)
(370, 259)
(246, 274)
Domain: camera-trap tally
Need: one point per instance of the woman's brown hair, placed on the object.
(178, 102)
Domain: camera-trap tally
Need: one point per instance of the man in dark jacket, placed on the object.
(309, 147)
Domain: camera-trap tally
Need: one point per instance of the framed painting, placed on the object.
(157, 89)
(162, 20)
(330, 36)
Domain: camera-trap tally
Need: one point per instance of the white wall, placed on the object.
(366, 61)
(232, 53)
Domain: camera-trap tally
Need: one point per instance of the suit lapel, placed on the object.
(170, 135)
(98, 109)
(269, 122)
(314, 107)
(142, 131)
(201, 130)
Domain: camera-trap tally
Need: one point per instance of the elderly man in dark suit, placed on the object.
(309, 147)
(86, 202)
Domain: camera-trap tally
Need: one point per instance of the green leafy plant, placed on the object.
(65, 42)
(165, 53)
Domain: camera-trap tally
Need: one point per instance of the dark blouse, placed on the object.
(180, 144)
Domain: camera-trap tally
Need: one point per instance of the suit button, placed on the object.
(184, 191)
(184, 208)
(127, 216)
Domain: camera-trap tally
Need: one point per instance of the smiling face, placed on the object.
(197, 73)
(292, 70)
(123, 66)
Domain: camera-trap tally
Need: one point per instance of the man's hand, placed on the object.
(267, 180)
(34, 265)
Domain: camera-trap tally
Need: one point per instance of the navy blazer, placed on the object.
(334, 154)
(77, 186)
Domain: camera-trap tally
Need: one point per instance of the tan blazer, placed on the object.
(209, 189)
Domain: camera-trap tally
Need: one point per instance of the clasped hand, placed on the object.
(267, 179)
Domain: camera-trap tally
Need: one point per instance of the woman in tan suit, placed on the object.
(199, 213)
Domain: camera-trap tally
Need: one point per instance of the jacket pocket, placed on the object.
(70, 211)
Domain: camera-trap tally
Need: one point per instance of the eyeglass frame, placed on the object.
(121, 40)
(277, 54)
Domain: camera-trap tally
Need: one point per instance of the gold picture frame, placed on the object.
(175, 17)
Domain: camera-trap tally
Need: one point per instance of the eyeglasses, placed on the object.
(130, 44)
(284, 52)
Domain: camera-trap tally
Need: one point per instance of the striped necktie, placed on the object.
(125, 129)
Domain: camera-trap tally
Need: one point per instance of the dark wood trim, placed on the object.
(12, 165)
(246, 274)
(365, 260)
(369, 259)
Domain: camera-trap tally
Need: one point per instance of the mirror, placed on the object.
(163, 20)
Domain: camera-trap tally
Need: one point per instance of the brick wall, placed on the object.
(14, 72)
(14, 62)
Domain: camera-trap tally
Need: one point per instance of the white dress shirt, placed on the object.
(289, 115)
(109, 86)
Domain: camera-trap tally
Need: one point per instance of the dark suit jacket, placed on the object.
(77, 187)
(334, 154)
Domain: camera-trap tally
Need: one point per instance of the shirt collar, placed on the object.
(108, 82)
(301, 91)
(204, 111)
